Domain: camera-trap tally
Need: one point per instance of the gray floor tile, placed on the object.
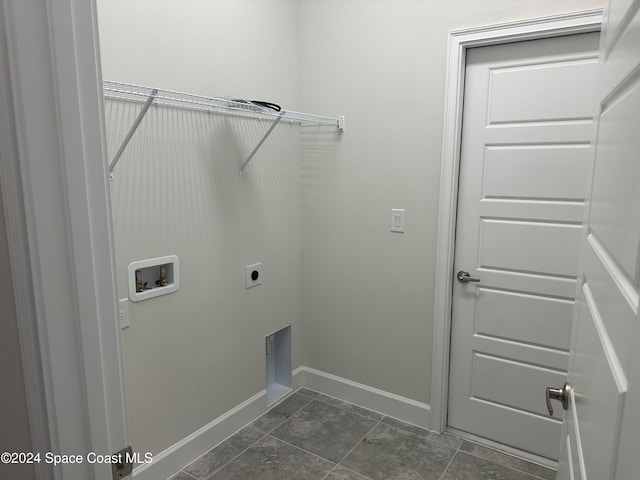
(307, 436)
(469, 467)
(280, 413)
(341, 473)
(508, 460)
(271, 459)
(181, 476)
(389, 453)
(325, 430)
(203, 467)
(349, 407)
(307, 393)
(444, 438)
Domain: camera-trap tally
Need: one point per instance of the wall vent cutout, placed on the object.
(278, 359)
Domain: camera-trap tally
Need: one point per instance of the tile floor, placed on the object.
(310, 436)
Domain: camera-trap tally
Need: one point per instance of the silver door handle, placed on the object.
(561, 394)
(465, 277)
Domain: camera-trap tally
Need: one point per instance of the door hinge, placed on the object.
(124, 466)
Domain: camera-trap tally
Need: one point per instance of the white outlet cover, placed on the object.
(123, 313)
(397, 220)
(254, 275)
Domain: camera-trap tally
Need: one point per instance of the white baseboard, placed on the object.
(171, 460)
(390, 404)
(167, 463)
(297, 378)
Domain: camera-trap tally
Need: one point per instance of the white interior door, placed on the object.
(601, 437)
(526, 148)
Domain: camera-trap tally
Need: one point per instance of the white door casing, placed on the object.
(600, 435)
(459, 43)
(55, 188)
(526, 145)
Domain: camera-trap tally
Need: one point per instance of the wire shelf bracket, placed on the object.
(132, 130)
(148, 96)
(262, 140)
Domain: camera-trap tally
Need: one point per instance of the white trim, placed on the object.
(182, 453)
(297, 377)
(514, 452)
(459, 41)
(17, 238)
(390, 404)
(56, 172)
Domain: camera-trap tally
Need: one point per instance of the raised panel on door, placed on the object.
(612, 304)
(541, 90)
(536, 247)
(494, 378)
(526, 149)
(513, 171)
(601, 424)
(599, 385)
(615, 202)
(571, 462)
(524, 317)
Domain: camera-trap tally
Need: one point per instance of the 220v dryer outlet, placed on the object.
(254, 274)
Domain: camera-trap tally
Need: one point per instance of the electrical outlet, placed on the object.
(123, 313)
(254, 274)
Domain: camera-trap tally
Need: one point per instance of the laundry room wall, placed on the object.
(367, 292)
(359, 297)
(192, 355)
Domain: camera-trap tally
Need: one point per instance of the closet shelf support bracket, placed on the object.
(264, 138)
(132, 130)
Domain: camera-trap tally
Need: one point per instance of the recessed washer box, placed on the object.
(153, 277)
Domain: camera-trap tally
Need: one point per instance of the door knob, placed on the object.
(561, 394)
(465, 277)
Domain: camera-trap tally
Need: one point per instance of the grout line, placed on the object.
(360, 441)
(429, 440)
(399, 427)
(329, 472)
(242, 452)
(346, 410)
(185, 472)
(357, 473)
(286, 418)
(306, 395)
(504, 449)
(450, 461)
(303, 450)
(536, 477)
(263, 435)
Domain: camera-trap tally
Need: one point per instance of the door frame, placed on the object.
(458, 43)
(56, 194)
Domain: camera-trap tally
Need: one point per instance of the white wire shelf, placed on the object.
(131, 92)
(148, 95)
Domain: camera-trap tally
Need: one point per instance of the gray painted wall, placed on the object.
(368, 293)
(192, 355)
